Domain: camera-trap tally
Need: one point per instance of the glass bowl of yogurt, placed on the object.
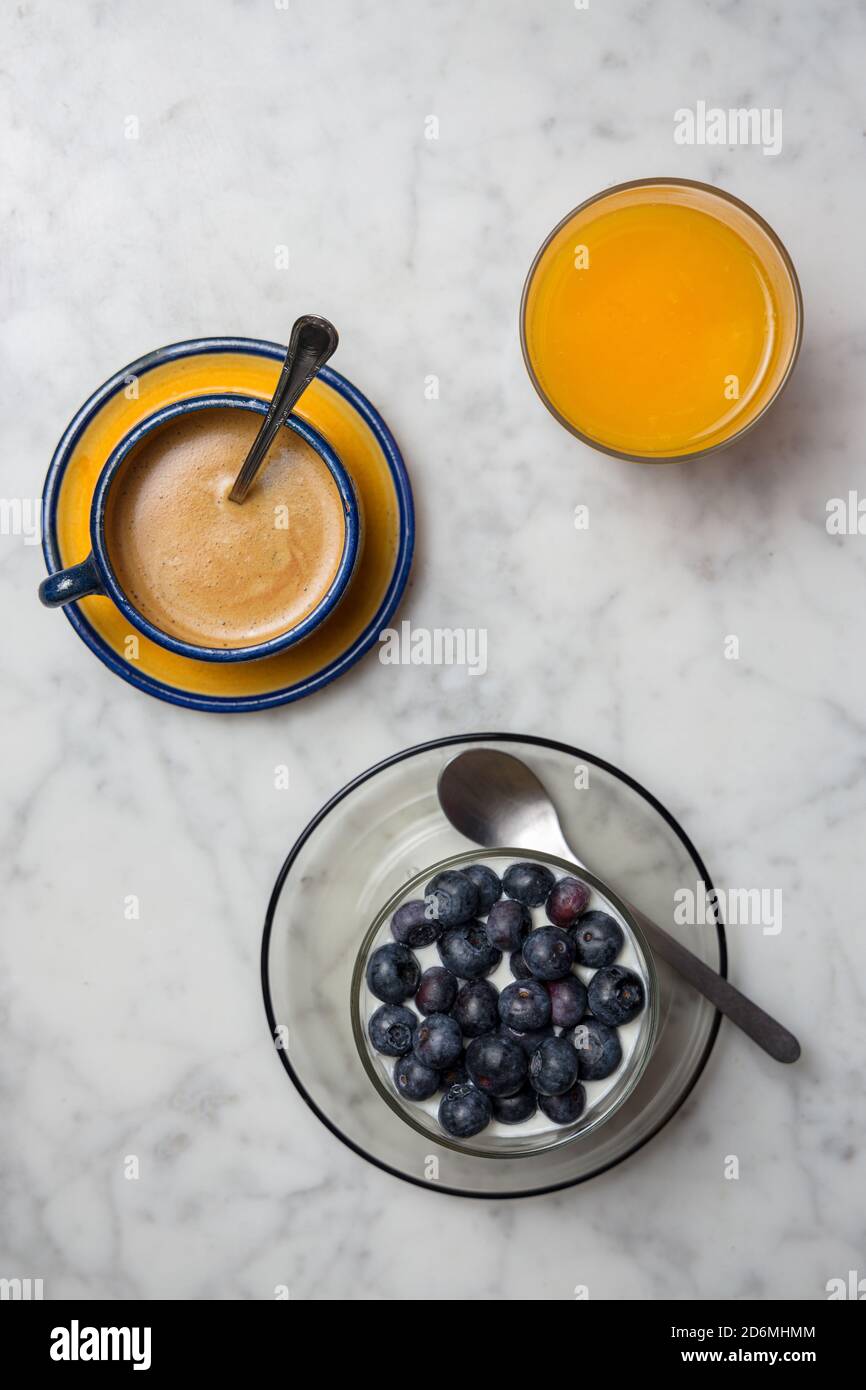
(417, 939)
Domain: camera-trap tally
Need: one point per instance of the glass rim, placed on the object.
(787, 262)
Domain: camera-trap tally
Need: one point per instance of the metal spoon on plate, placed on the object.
(495, 799)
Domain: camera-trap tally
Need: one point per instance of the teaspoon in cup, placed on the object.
(313, 341)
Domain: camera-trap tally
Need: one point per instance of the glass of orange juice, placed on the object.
(660, 320)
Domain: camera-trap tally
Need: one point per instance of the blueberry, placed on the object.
(393, 973)
(564, 1109)
(616, 994)
(466, 951)
(413, 1080)
(496, 1065)
(553, 1067)
(598, 939)
(454, 1076)
(525, 1005)
(437, 991)
(476, 1009)
(513, 1110)
(508, 923)
(463, 1111)
(412, 925)
(567, 899)
(451, 898)
(530, 1040)
(598, 1048)
(488, 884)
(390, 1029)
(549, 953)
(567, 1001)
(528, 883)
(519, 969)
(438, 1042)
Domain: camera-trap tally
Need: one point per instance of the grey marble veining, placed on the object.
(147, 1037)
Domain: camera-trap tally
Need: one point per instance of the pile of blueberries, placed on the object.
(501, 1055)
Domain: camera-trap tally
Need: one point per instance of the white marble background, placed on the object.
(262, 125)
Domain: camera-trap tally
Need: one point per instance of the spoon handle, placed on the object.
(760, 1027)
(767, 1032)
(313, 341)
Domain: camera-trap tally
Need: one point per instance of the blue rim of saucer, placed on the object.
(234, 704)
(316, 441)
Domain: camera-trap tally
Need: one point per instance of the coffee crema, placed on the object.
(209, 571)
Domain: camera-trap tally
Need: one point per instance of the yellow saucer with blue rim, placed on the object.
(365, 446)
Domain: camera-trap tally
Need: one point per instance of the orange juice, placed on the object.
(660, 319)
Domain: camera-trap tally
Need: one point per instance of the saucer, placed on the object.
(360, 438)
(369, 841)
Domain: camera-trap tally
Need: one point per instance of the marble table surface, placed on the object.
(147, 1038)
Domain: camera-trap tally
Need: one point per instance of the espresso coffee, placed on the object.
(213, 572)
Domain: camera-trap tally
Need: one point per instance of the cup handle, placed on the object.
(68, 585)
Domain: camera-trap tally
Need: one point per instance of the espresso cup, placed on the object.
(97, 574)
